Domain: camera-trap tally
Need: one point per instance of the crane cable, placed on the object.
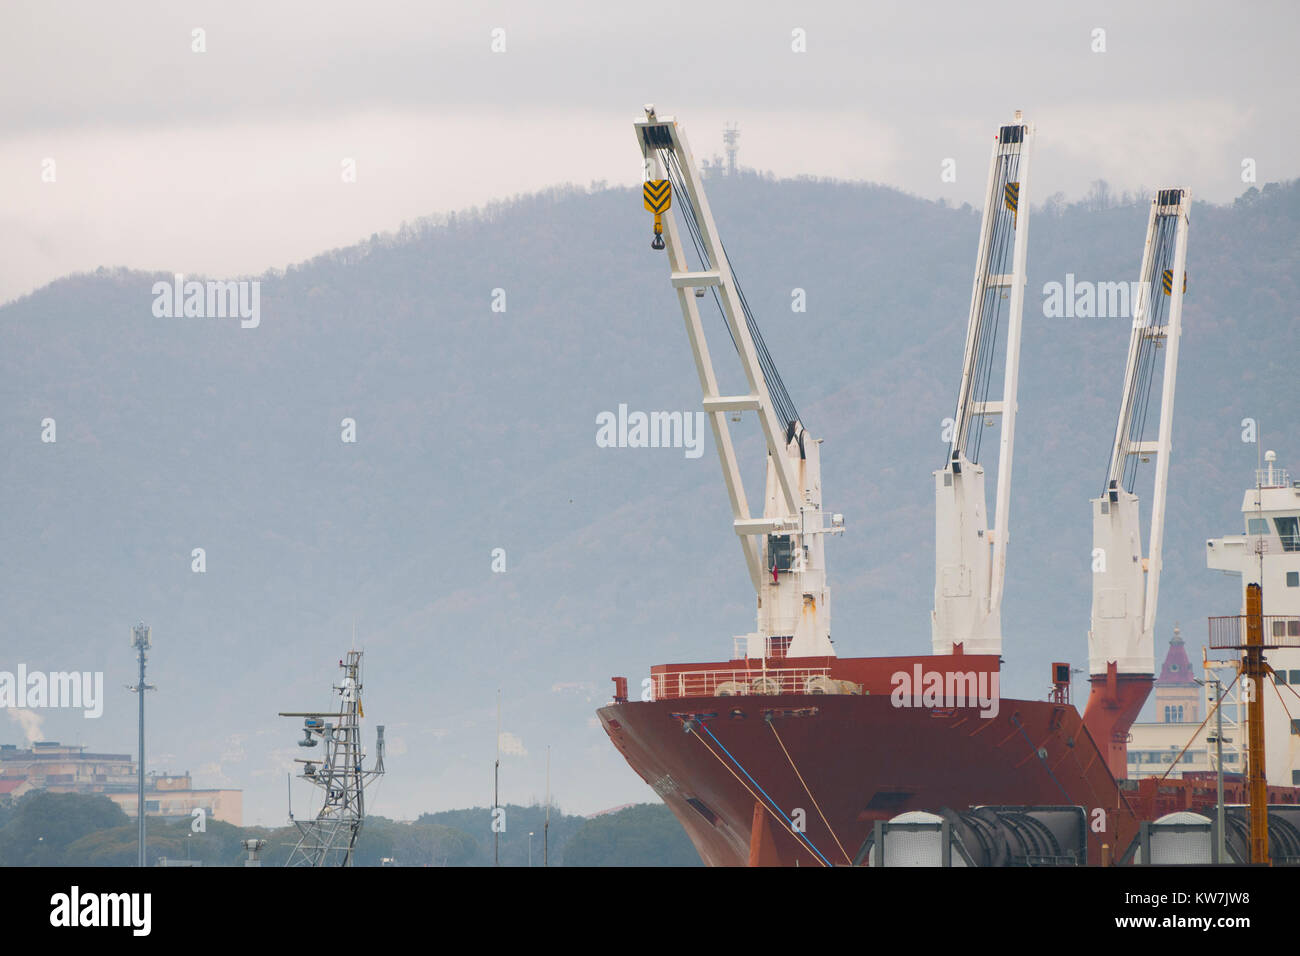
(995, 265)
(988, 300)
(1138, 396)
(780, 395)
(669, 163)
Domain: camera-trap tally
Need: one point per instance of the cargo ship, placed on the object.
(785, 753)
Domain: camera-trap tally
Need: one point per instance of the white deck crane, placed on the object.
(970, 559)
(783, 549)
(1121, 645)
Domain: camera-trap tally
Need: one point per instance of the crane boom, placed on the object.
(783, 549)
(1125, 586)
(970, 560)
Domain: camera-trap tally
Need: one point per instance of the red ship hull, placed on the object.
(847, 760)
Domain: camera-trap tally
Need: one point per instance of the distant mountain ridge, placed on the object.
(476, 430)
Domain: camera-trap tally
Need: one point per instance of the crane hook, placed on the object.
(658, 197)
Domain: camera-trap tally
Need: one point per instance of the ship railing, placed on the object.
(1280, 630)
(1272, 477)
(741, 682)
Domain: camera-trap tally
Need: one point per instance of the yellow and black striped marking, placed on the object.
(1011, 196)
(658, 195)
(1167, 281)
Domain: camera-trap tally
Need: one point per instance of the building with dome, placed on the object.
(1180, 704)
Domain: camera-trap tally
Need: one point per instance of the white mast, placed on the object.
(970, 560)
(783, 549)
(1124, 585)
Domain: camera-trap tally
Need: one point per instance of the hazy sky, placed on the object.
(230, 160)
(121, 145)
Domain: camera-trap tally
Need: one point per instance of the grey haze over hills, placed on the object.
(476, 430)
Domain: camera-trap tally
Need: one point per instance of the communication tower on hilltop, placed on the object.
(731, 139)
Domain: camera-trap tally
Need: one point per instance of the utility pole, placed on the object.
(1253, 668)
(1225, 633)
(496, 791)
(1220, 850)
(1218, 757)
(546, 827)
(140, 640)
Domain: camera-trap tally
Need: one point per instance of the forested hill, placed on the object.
(476, 431)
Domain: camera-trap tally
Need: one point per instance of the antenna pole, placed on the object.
(140, 640)
(140, 768)
(496, 790)
(1220, 853)
(546, 827)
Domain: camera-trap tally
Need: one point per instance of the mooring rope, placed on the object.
(781, 818)
(816, 806)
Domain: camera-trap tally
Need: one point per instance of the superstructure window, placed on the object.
(1257, 526)
(1288, 529)
(1279, 677)
(1288, 627)
(1293, 579)
(780, 552)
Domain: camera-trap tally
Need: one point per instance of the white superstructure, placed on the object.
(1269, 554)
